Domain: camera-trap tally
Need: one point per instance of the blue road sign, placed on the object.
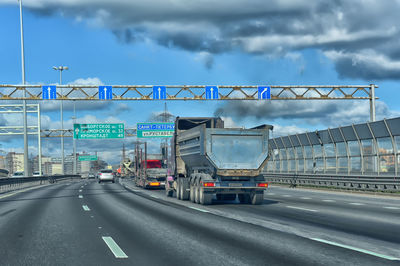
(264, 92)
(105, 93)
(159, 92)
(212, 92)
(49, 92)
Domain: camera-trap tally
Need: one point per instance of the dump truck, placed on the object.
(151, 172)
(208, 159)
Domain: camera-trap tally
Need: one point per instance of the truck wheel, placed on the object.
(192, 192)
(169, 192)
(244, 198)
(257, 198)
(185, 193)
(197, 192)
(178, 189)
(205, 198)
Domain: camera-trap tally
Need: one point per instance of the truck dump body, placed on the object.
(224, 149)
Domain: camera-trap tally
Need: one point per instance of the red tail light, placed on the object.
(262, 185)
(208, 184)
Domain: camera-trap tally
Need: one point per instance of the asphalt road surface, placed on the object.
(86, 223)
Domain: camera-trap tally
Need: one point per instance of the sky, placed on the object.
(170, 42)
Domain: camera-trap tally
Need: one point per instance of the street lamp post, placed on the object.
(74, 142)
(25, 121)
(61, 69)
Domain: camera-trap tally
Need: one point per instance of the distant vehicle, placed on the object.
(3, 173)
(91, 176)
(106, 175)
(18, 174)
(150, 172)
(37, 174)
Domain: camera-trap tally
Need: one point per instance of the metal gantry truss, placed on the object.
(19, 130)
(193, 92)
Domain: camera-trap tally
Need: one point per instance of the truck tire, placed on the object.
(178, 189)
(244, 198)
(169, 192)
(205, 198)
(185, 194)
(192, 192)
(257, 198)
(197, 192)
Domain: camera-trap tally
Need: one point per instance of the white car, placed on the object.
(106, 175)
(19, 174)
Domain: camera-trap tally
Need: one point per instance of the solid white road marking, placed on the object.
(286, 196)
(198, 209)
(303, 209)
(271, 194)
(392, 208)
(80, 196)
(305, 198)
(355, 249)
(356, 203)
(154, 196)
(115, 249)
(86, 208)
(329, 200)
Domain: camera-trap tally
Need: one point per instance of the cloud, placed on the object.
(161, 116)
(346, 31)
(328, 113)
(206, 58)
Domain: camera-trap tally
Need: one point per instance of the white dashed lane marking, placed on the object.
(356, 203)
(329, 200)
(80, 196)
(392, 208)
(307, 198)
(115, 249)
(86, 208)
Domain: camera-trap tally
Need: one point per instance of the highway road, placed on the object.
(86, 223)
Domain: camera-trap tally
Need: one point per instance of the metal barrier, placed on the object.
(353, 182)
(13, 183)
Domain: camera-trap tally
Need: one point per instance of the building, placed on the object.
(14, 162)
(2, 162)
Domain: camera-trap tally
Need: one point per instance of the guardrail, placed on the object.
(355, 182)
(14, 183)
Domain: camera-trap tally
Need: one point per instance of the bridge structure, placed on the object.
(340, 156)
(44, 93)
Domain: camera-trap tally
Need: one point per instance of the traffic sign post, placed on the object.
(105, 93)
(155, 130)
(212, 92)
(159, 92)
(99, 131)
(87, 158)
(49, 92)
(264, 92)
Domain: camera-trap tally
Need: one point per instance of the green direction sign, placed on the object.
(155, 130)
(99, 131)
(87, 158)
